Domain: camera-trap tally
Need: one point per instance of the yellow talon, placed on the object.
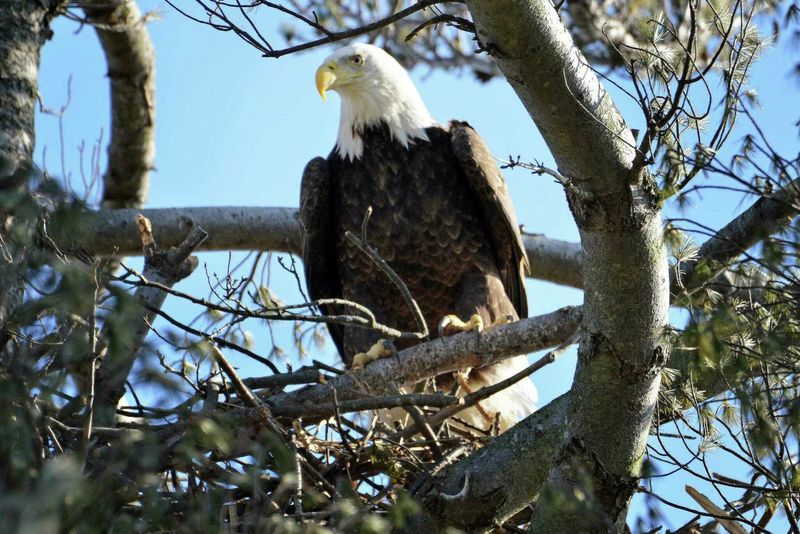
(475, 323)
(381, 349)
(452, 323)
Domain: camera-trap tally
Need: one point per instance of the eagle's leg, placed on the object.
(461, 379)
(381, 349)
(364, 345)
(481, 297)
(502, 319)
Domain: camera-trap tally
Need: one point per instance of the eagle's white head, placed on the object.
(373, 88)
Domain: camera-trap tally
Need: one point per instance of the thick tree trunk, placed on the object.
(616, 383)
(24, 27)
(513, 467)
(595, 468)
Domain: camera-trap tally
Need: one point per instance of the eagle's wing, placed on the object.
(487, 182)
(319, 252)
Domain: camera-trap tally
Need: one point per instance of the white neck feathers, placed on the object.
(390, 98)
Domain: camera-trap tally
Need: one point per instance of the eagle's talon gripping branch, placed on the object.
(452, 324)
(381, 349)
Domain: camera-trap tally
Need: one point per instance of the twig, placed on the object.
(419, 420)
(109, 432)
(90, 382)
(723, 518)
(337, 415)
(458, 22)
(326, 409)
(330, 37)
(422, 326)
(282, 313)
(297, 498)
(242, 390)
(487, 391)
(303, 376)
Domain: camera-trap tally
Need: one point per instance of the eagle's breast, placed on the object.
(424, 223)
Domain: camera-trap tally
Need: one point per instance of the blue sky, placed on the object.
(236, 129)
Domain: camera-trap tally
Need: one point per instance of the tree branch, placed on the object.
(553, 260)
(263, 228)
(166, 268)
(766, 216)
(112, 232)
(506, 475)
(514, 466)
(131, 72)
(218, 20)
(433, 358)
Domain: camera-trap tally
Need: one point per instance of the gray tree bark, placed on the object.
(427, 360)
(113, 232)
(163, 267)
(507, 474)
(131, 72)
(622, 351)
(24, 27)
(768, 215)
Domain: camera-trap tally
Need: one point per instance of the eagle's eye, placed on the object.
(357, 60)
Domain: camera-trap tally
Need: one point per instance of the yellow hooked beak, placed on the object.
(326, 77)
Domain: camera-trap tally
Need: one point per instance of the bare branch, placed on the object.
(276, 229)
(220, 21)
(380, 263)
(327, 409)
(167, 268)
(767, 216)
(433, 358)
(131, 72)
(242, 390)
(229, 228)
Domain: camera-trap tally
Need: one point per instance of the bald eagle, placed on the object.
(441, 217)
